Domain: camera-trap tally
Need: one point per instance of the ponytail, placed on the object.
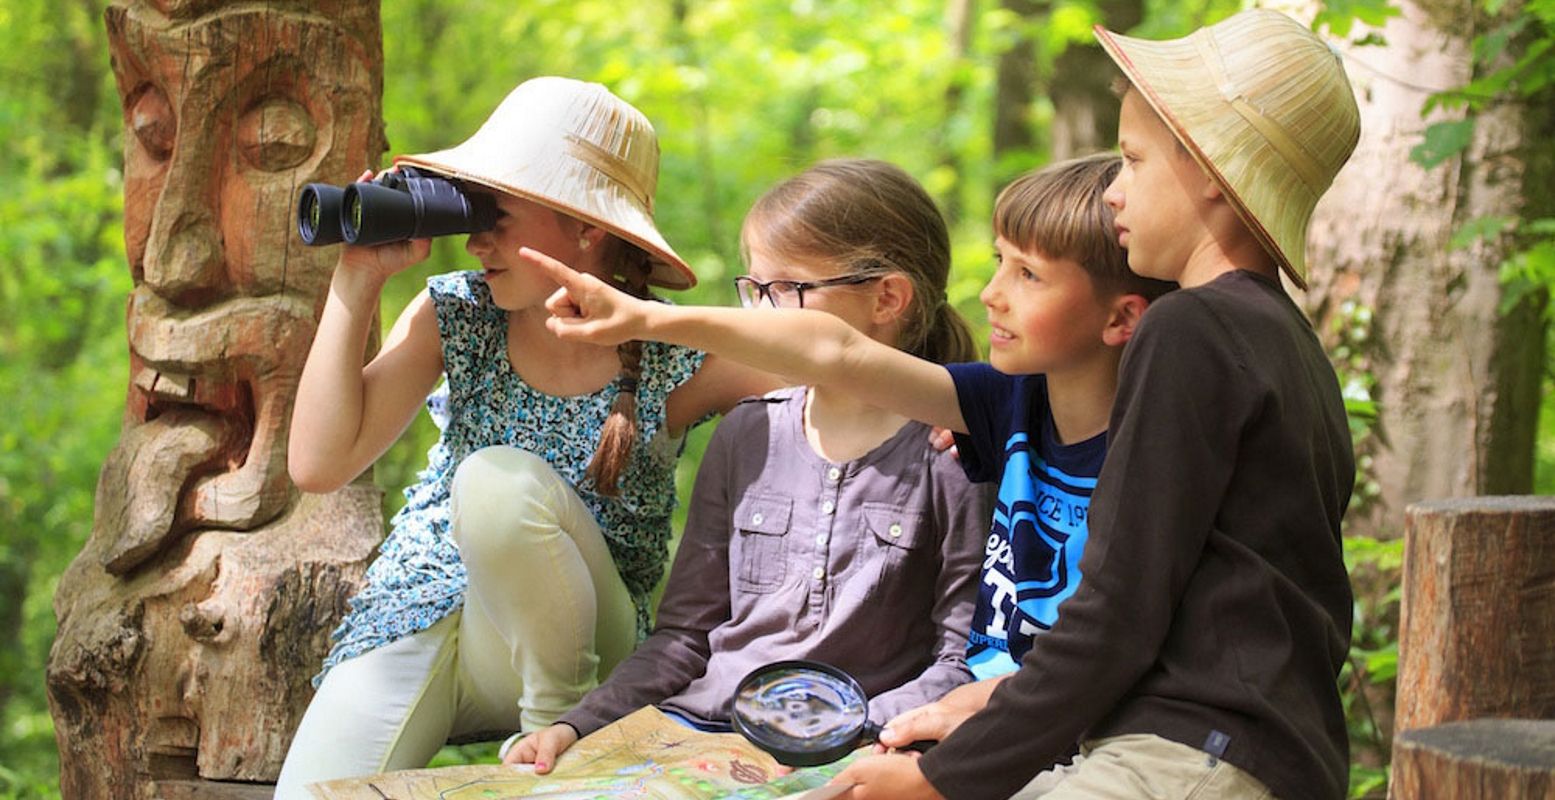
(947, 337)
(620, 430)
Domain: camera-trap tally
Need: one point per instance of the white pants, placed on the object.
(545, 617)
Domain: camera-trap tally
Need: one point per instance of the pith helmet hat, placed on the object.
(1264, 106)
(577, 148)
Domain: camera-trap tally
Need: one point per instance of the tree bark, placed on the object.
(1085, 112)
(1477, 623)
(1487, 759)
(192, 621)
(960, 17)
(1456, 380)
(1016, 87)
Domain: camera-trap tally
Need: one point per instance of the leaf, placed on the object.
(1489, 47)
(1544, 226)
(1477, 229)
(1340, 15)
(1442, 140)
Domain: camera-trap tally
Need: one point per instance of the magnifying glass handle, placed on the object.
(872, 734)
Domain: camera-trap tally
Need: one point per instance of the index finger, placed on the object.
(555, 270)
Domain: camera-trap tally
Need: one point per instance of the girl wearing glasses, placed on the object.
(821, 527)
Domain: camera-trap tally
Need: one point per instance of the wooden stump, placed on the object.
(1485, 759)
(1477, 621)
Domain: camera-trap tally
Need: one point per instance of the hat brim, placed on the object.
(669, 270)
(1143, 61)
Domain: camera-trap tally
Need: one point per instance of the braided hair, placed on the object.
(620, 431)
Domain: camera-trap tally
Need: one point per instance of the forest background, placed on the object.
(964, 94)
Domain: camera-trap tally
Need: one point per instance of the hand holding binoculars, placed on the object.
(397, 205)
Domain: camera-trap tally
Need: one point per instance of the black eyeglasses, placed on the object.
(790, 294)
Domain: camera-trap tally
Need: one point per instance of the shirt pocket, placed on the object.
(902, 539)
(761, 525)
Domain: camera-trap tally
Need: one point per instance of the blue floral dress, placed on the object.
(418, 577)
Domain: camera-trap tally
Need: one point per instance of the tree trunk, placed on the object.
(1085, 111)
(1488, 759)
(1016, 89)
(1456, 380)
(1477, 623)
(959, 21)
(193, 619)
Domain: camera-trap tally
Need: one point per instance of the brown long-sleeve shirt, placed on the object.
(868, 565)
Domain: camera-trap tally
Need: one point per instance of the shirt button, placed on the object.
(828, 506)
(833, 474)
(756, 519)
(895, 529)
(819, 573)
(820, 539)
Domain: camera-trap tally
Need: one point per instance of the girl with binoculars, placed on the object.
(520, 568)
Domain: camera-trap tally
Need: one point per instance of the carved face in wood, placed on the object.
(226, 116)
(193, 619)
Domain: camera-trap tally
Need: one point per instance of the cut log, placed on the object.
(1477, 621)
(1483, 759)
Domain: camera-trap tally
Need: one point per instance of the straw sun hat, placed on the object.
(1263, 105)
(576, 148)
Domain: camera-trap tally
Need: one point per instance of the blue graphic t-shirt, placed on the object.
(1031, 559)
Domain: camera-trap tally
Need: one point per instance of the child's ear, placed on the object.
(893, 298)
(1126, 311)
(594, 236)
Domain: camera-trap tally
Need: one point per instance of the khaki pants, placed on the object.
(1144, 767)
(545, 616)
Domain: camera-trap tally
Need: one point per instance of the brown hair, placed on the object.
(1121, 86)
(619, 433)
(1058, 212)
(869, 217)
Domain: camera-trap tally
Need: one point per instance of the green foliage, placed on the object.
(1443, 140)
(1350, 349)
(1514, 62)
(1340, 16)
(743, 94)
(1367, 680)
(62, 365)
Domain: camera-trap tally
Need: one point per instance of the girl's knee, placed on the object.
(500, 468)
(501, 495)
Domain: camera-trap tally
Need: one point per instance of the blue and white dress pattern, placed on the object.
(418, 577)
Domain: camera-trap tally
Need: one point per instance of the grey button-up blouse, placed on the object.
(869, 565)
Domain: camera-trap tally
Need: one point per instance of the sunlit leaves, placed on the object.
(1441, 141)
(1339, 16)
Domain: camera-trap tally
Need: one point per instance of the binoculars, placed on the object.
(395, 206)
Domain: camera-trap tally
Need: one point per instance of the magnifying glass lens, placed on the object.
(801, 710)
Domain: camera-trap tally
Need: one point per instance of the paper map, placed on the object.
(643, 756)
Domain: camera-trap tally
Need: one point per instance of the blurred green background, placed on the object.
(743, 94)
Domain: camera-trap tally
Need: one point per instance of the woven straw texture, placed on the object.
(1265, 107)
(576, 148)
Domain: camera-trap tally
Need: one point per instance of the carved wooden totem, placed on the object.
(192, 622)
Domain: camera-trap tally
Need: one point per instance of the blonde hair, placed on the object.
(1058, 212)
(863, 216)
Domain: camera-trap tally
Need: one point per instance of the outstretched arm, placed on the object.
(804, 346)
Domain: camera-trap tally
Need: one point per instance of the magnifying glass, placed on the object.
(804, 713)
